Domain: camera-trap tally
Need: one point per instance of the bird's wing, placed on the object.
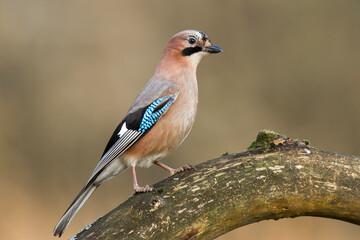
(151, 104)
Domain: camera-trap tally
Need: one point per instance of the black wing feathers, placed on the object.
(133, 121)
(161, 105)
(114, 137)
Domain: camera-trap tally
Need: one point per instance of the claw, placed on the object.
(147, 188)
(182, 169)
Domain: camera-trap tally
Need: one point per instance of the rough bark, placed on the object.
(276, 178)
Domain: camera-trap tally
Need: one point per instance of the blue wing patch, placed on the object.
(153, 113)
(142, 119)
(135, 130)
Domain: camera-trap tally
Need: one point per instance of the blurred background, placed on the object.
(69, 71)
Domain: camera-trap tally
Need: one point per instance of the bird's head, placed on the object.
(189, 47)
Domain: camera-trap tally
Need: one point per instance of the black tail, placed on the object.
(73, 209)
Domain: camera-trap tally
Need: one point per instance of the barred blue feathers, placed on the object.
(150, 117)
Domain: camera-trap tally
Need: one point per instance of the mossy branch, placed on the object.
(276, 178)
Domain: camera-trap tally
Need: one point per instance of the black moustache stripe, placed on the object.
(190, 50)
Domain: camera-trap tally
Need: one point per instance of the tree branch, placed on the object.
(276, 178)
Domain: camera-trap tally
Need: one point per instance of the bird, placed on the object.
(157, 122)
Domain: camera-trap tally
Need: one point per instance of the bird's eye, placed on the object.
(192, 41)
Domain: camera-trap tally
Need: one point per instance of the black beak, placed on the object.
(212, 49)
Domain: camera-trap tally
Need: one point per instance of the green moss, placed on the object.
(264, 139)
(225, 153)
(267, 139)
(136, 217)
(303, 143)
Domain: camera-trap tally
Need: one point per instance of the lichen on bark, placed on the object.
(276, 178)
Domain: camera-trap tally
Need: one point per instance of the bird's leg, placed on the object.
(172, 171)
(137, 188)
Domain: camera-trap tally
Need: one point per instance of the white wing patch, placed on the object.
(123, 129)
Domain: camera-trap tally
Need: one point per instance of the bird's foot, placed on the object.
(147, 188)
(173, 171)
(182, 169)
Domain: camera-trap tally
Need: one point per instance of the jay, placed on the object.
(158, 121)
